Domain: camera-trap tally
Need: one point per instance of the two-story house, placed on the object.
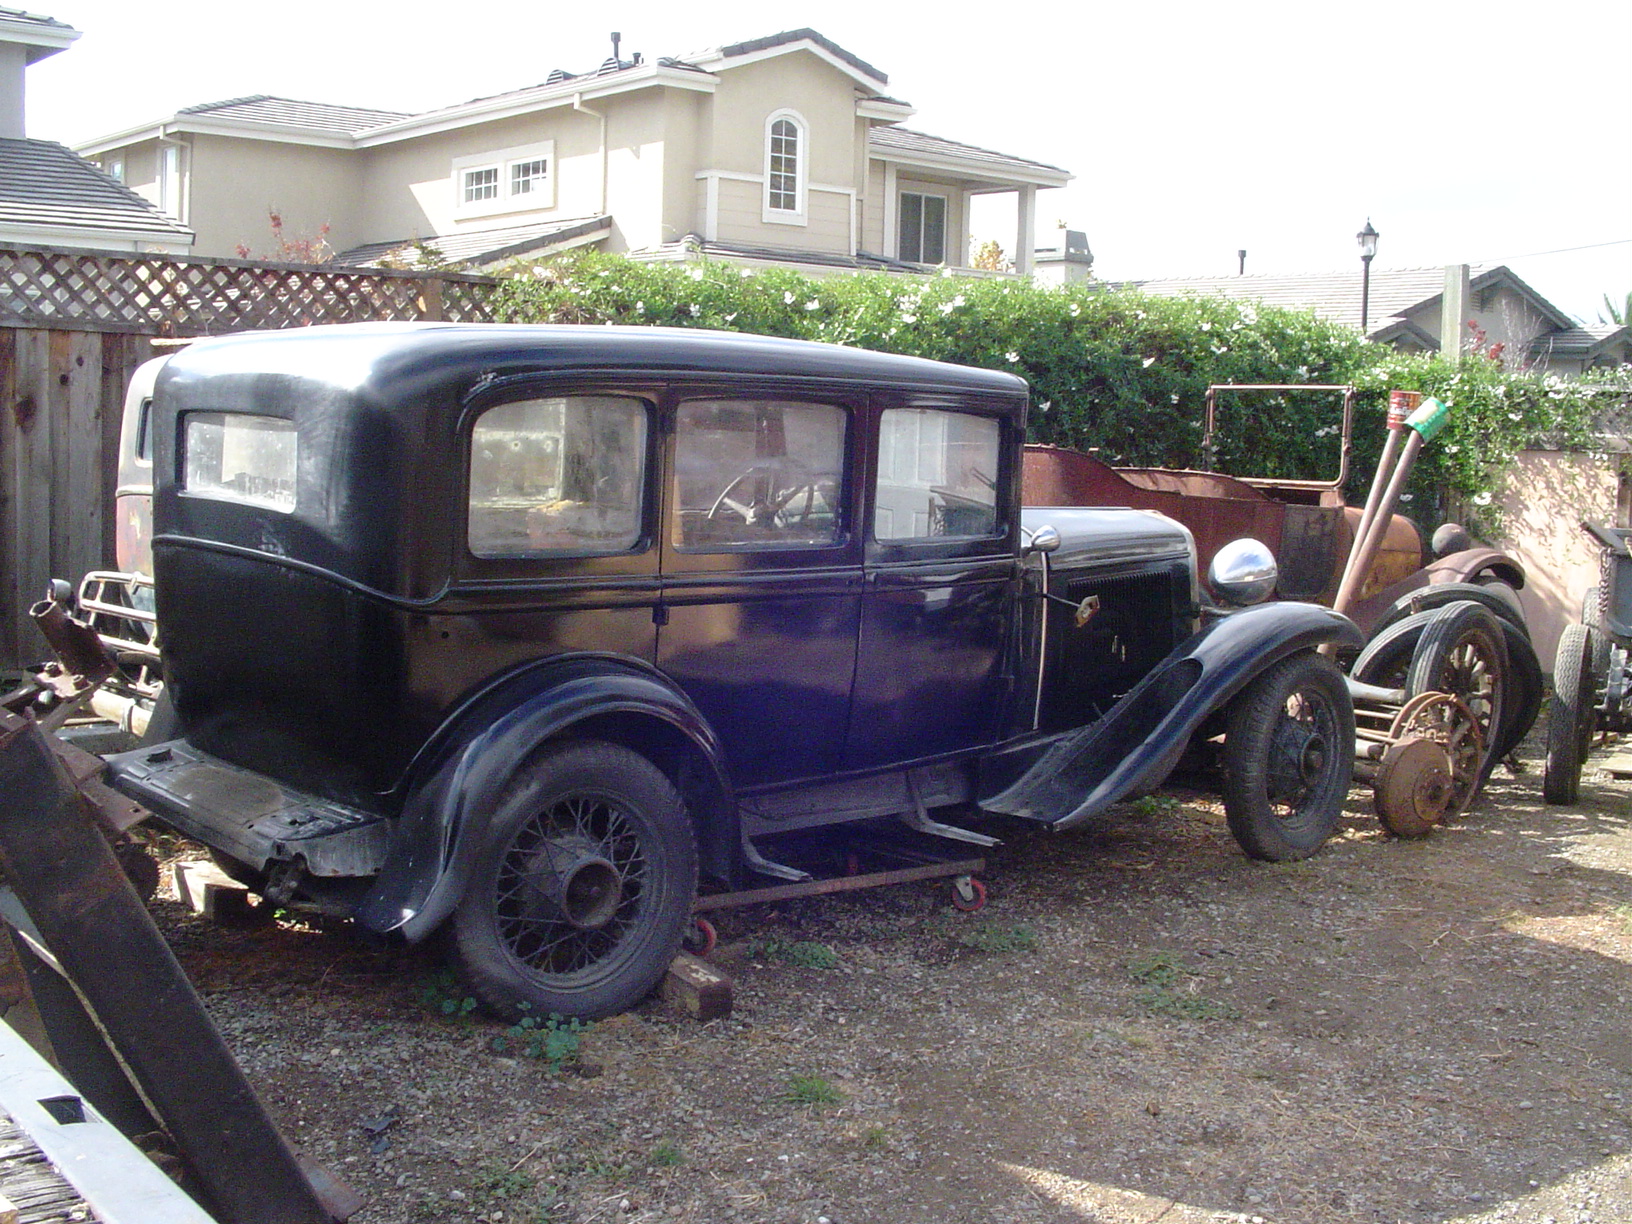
(784, 149)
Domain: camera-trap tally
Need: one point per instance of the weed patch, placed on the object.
(812, 1090)
(801, 953)
(1173, 990)
(553, 1040)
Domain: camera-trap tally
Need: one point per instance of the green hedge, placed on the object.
(1112, 369)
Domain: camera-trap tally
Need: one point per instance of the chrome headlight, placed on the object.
(1243, 572)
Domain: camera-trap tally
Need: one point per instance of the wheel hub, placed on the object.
(581, 882)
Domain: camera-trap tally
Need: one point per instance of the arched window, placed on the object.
(785, 168)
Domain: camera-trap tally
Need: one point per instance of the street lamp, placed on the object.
(1368, 248)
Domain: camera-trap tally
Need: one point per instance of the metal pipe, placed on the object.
(1385, 512)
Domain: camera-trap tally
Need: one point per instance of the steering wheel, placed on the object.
(789, 498)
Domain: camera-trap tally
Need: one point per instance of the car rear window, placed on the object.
(238, 457)
(562, 475)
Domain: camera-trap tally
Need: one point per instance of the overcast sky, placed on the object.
(1489, 133)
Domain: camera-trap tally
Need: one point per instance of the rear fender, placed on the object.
(462, 775)
(1134, 747)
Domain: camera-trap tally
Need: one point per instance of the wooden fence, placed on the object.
(74, 325)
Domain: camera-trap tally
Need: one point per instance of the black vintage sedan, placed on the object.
(521, 631)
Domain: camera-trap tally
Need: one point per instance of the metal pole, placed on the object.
(1365, 291)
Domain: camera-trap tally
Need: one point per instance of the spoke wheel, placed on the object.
(1571, 720)
(583, 888)
(1462, 651)
(1288, 758)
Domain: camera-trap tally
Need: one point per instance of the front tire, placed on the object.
(1288, 758)
(583, 888)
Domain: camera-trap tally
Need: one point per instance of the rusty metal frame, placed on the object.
(1345, 446)
(83, 916)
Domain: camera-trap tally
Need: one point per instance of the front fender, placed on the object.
(1135, 746)
(461, 781)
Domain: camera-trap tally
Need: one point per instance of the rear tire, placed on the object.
(582, 889)
(1570, 721)
(1288, 758)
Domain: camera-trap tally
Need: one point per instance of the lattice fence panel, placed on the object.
(184, 296)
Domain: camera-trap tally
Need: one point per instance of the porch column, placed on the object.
(1025, 237)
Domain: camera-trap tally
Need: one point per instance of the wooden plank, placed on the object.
(83, 509)
(29, 543)
(8, 396)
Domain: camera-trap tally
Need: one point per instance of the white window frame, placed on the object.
(503, 163)
(469, 173)
(113, 165)
(900, 223)
(798, 215)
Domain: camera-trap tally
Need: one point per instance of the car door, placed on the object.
(761, 575)
(934, 670)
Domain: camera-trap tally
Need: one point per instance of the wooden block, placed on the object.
(697, 988)
(209, 891)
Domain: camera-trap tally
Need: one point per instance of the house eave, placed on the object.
(42, 40)
(887, 112)
(970, 169)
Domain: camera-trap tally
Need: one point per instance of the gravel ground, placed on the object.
(1141, 1025)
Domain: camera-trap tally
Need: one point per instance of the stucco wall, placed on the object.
(13, 63)
(1548, 494)
(236, 184)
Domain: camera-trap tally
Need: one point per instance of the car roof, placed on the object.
(391, 360)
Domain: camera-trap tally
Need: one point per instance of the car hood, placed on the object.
(1091, 535)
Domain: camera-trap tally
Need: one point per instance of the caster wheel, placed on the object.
(700, 938)
(968, 894)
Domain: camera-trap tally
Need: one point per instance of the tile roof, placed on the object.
(1584, 341)
(478, 248)
(905, 140)
(286, 112)
(11, 14)
(44, 186)
(692, 245)
(1332, 295)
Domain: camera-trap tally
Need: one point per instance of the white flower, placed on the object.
(1451, 448)
(731, 317)
(787, 297)
(1405, 497)
(1481, 499)
(695, 273)
(1515, 416)
(908, 317)
(640, 307)
(1045, 405)
(1011, 355)
(1148, 362)
(745, 273)
(1074, 310)
(813, 304)
(695, 309)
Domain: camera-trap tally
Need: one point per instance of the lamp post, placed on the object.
(1368, 248)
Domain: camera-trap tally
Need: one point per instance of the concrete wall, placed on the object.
(1548, 494)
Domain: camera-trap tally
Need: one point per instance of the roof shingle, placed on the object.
(44, 186)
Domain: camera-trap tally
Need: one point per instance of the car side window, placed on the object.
(562, 475)
(937, 475)
(758, 474)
